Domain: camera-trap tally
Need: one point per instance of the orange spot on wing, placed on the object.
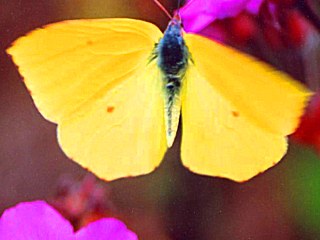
(235, 114)
(110, 109)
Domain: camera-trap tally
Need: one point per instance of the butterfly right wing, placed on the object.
(236, 112)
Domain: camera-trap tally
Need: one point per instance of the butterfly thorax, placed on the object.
(172, 58)
(172, 51)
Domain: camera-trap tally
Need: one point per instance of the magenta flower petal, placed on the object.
(198, 14)
(39, 221)
(106, 229)
(34, 221)
(253, 6)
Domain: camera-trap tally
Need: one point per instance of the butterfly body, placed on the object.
(172, 59)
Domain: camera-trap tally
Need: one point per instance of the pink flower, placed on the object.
(198, 14)
(38, 220)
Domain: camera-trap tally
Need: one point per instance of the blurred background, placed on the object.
(170, 203)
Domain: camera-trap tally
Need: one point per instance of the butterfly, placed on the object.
(116, 87)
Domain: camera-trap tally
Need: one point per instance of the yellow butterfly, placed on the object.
(115, 88)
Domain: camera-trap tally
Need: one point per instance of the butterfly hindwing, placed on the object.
(121, 134)
(218, 140)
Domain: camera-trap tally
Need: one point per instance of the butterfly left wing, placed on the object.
(93, 78)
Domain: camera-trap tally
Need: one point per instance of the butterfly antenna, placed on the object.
(162, 8)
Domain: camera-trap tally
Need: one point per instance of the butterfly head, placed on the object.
(175, 25)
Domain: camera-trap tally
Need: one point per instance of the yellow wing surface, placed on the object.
(236, 112)
(92, 78)
(271, 99)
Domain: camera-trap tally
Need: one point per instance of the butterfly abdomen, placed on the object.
(172, 57)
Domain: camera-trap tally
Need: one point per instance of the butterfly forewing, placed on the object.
(269, 98)
(66, 64)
